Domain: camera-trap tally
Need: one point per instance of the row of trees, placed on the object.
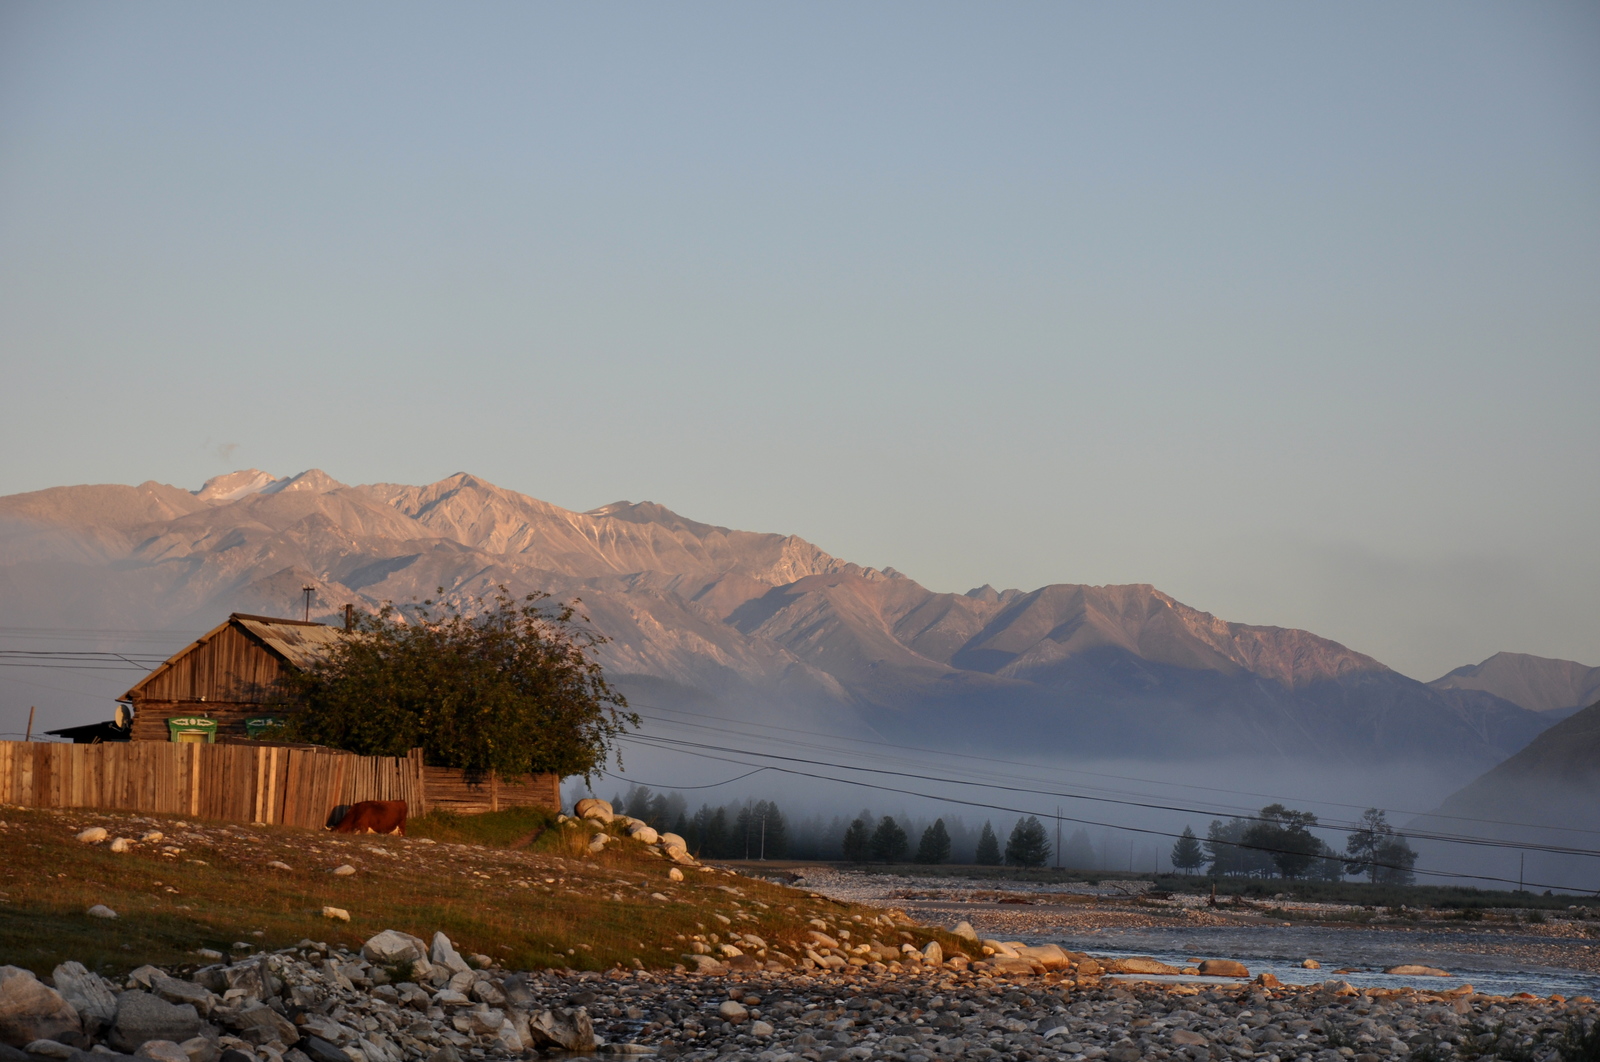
(752, 829)
(1279, 839)
(1028, 846)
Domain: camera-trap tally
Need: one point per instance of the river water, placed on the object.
(1281, 950)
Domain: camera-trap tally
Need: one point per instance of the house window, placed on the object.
(192, 729)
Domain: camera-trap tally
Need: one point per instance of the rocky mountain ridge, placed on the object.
(743, 621)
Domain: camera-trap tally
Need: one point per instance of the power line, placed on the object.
(1111, 826)
(651, 743)
(1351, 828)
(1225, 809)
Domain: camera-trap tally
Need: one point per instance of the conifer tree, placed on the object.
(889, 840)
(1186, 854)
(935, 844)
(857, 844)
(1029, 844)
(988, 853)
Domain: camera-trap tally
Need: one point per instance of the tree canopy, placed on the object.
(1186, 853)
(1029, 844)
(988, 853)
(492, 684)
(889, 840)
(1377, 850)
(935, 844)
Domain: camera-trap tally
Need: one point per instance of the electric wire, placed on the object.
(1089, 822)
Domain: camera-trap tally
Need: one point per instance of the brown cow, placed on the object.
(374, 816)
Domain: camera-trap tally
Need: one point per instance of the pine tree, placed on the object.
(889, 840)
(988, 853)
(1029, 844)
(935, 844)
(714, 840)
(857, 843)
(1186, 854)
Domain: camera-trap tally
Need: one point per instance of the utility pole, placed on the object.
(1058, 836)
(1522, 857)
(29, 736)
(763, 836)
(308, 591)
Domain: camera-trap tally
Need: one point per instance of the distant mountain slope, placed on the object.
(749, 622)
(1536, 683)
(1548, 793)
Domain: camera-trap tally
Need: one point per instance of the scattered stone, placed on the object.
(50, 1049)
(1223, 968)
(1267, 980)
(316, 1049)
(443, 953)
(1185, 1038)
(121, 844)
(964, 930)
(278, 864)
(1414, 970)
(391, 947)
(336, 913)
(152, 837)
(1139, 965)
(1312, 964)
(162, 1051)
(344, 870)
(674, 874)
(31, 1010)
(93, 835)
(210, 954)
(100, 910)
(733, 1011)
(591, 808)
(761, 1029)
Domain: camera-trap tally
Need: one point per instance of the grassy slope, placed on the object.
(550, 903)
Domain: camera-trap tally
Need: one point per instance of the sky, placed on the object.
(1290, 310)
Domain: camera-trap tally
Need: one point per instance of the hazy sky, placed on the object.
(1291, 310)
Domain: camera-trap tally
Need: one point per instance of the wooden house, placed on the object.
(227, 684)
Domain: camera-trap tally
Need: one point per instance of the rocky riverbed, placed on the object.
(401, 999)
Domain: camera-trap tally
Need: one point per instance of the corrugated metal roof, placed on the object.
(298, 643)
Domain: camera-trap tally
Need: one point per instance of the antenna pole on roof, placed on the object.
(308, 591)
(349, 617)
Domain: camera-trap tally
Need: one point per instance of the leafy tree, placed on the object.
(495, 684)
(1186, 853)
(1285, 836)
(889, 840)
(1395, 860)
(988, 853)
(1227, 854)
(1029, 844)
(1376, 850)
(857, 843)
(1327, 866)
(935, 844)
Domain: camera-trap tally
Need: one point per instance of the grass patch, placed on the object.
(499, 829)
(551, 904)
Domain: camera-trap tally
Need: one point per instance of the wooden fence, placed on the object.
(245, 782)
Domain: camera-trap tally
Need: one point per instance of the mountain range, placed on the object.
(741, 623)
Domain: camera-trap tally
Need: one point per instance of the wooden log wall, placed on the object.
(448, 791)
(246, 782)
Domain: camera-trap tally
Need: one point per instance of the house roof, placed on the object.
(295, 642)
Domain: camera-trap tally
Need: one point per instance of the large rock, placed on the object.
(1414, 970)
(591, 808)
(174, 990)
(1009, 964)
(1140, 964)
(142, 1017)
(570, 1030)
(89, 993)
(31, 1010)
(1050, 956)
(443, 953)
(965, 931)
(1224, 968)
(672, 840)
(933, 953)
(261, 1024)
(392, 946)
(644, 834)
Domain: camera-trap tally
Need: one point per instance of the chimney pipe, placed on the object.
(349, 618)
